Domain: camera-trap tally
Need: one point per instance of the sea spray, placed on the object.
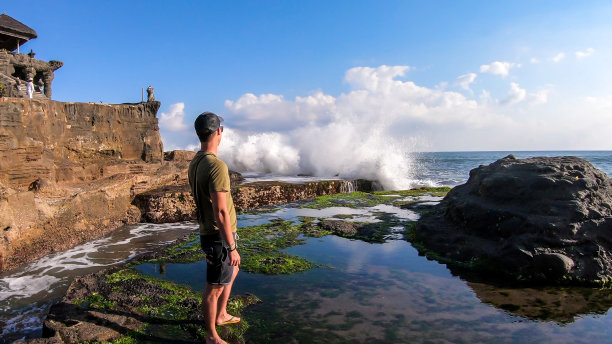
(335, 150)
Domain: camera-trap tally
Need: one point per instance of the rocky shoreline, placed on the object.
(119, 305)
(122, 305)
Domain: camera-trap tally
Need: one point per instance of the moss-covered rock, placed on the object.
(369, 199)
(123, 306)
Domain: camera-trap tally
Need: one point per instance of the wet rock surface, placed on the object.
(120, 304)
(175, 203)
(340, 227)
(539, 219)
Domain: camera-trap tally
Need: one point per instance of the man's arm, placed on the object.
(222, 216)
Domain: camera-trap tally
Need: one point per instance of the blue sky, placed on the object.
(426, 75)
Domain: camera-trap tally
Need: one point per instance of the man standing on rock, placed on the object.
(210, 186)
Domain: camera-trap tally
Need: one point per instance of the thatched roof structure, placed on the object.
(14, 33)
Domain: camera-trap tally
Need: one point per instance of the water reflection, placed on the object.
(387, 293)
(563, 305)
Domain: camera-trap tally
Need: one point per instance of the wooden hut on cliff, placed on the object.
(14, 33)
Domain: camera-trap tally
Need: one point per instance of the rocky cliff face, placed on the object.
(69, 171)
(73, 142)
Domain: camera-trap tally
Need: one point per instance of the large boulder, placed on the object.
(538, 219)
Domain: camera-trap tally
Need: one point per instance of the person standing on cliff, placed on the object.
(30, 88)
(210, 187)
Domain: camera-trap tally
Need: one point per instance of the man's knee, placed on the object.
(213, 290)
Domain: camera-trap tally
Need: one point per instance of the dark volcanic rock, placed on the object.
(535, 219)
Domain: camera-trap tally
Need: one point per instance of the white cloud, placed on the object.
(515, 95)
(558, 57)
(193, 147)
(586, 53)
(173, 121)
(600, 102)
(537, 98)
(534, 60)
(368, 131)
(465, 80)
(274, 112)
(485, 97)
(373, 78)
(498, 68)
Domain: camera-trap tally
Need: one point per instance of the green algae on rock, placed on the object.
(370, 199)
(274, 263)
(123, 306)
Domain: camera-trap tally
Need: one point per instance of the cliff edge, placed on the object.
(69, 171)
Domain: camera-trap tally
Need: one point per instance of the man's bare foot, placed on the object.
(226, 319)
(215, 340)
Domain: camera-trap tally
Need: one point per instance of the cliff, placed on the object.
(69, 171)
(71, 142)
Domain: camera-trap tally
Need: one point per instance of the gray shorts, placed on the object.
(218, 270)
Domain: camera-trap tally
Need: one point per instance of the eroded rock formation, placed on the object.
(69, 171)
(538, 219)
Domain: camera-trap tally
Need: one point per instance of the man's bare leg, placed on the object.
(210, 300)
(222, 315)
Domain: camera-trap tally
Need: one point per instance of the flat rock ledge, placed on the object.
(544, 219)
(175, 203)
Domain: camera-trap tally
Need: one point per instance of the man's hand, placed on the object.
(234, 258)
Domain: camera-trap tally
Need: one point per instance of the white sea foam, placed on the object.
(338, 150)
(263, 177)
(26, 294)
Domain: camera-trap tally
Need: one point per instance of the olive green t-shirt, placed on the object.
(212, 176)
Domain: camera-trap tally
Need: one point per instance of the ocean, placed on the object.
(453, 168)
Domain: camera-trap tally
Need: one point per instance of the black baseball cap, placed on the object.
(208, 121)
